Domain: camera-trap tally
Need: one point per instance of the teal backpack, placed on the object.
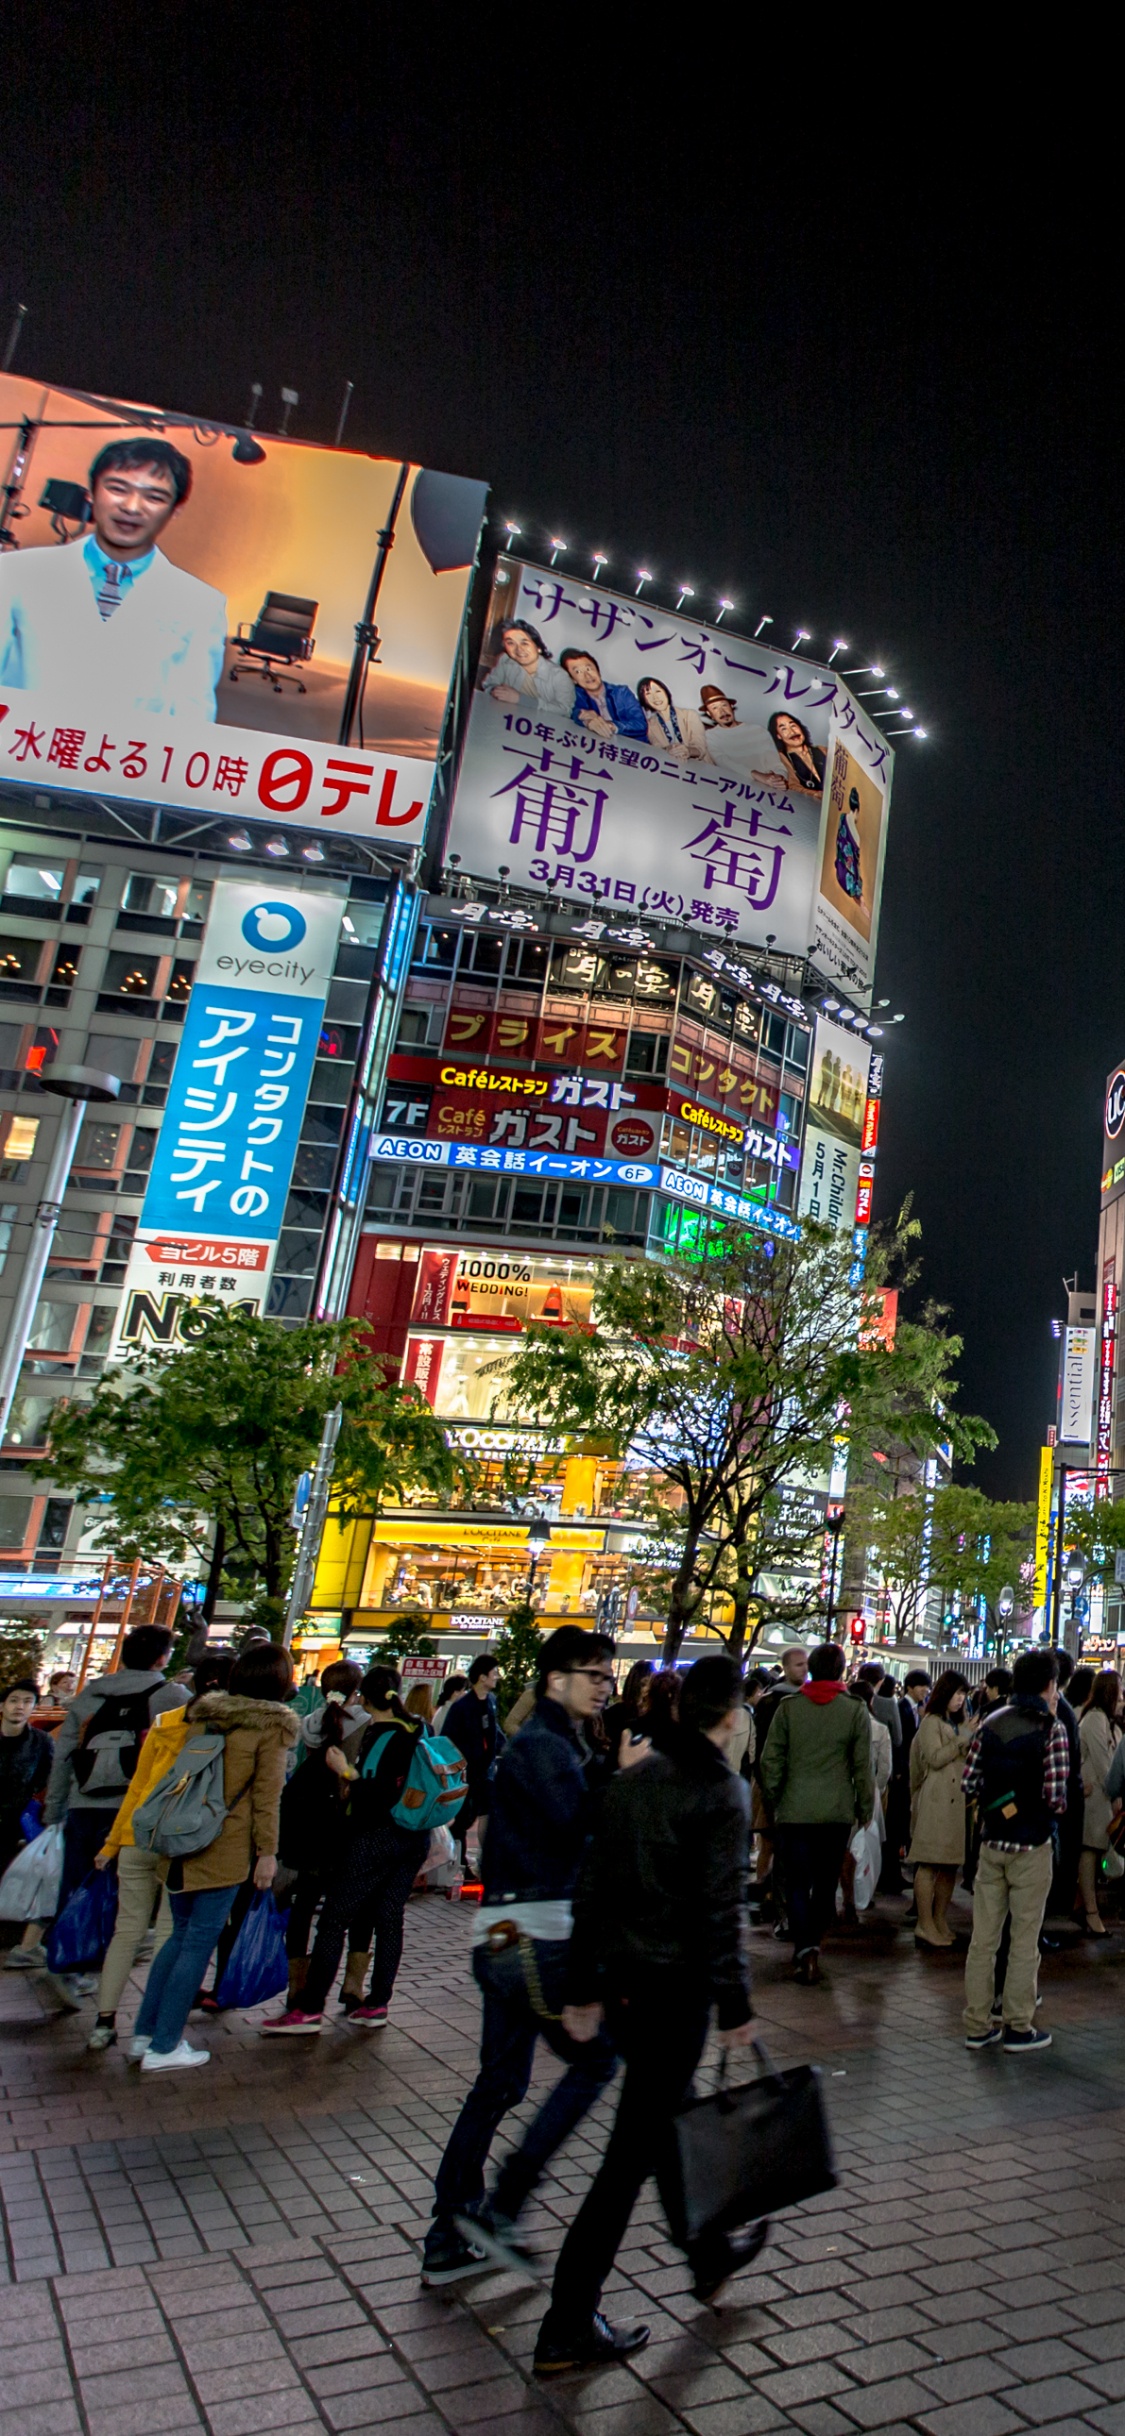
(435, 1785)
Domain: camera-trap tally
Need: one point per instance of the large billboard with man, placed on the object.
(668, 770)
(186, 614)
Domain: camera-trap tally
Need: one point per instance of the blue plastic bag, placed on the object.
(258, 1966)
(31, 1822)
(82, 1932)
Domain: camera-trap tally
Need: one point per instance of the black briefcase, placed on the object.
(749, 2151)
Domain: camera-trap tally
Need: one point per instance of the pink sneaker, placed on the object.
(292, 2024)
(368, 2017)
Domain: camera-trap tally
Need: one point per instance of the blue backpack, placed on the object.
(435, 1786)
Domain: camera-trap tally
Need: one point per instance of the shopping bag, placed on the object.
(750, 2151)
(29, 1889)
(442, 1851)
(866, 1850)
(31, 1821)
(257, 1966)
(80, 1935)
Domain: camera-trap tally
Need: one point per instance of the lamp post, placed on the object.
(1075, 1578)
(76, 1087)
(835, 1524)
(538, 1540)
(1005, 1609)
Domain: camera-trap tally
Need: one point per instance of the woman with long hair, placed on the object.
(803, 760)
(672, 728)
(937, 1807)
(1099, 1732)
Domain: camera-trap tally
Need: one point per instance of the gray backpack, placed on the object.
(186, 1808)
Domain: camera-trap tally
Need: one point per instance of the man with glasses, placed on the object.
(539, 1823)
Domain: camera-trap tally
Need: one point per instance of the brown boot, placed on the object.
(298, 1973)
(351, 1991)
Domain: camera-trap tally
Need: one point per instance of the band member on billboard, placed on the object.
(804, 761)
(736, 747)
(607, 710)
(525, 666)
(671, 729)
(110, 618)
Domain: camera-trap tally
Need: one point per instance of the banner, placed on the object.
(1043, 1523)
(220, 1175)
(1076, 1408)
(851, 852)
(829, 1188)
(179, 600)
(618, 752)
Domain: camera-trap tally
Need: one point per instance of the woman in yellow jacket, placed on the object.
(141, 1875)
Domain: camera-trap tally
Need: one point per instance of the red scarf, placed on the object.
(822, 1692)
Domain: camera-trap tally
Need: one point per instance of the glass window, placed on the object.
(413, 1028)
(436, 947)
(144, 894)
(183, 974)
(656, 980)
(19, 1146)
(701, 994)
(775, 1034)
(314, 1166)
(798, 1046)
(534, 960)
(576, 968)
(289, 1298)
(30, 1420)
(111, 1053)
(340, 1041)
(141, 1148)
(747, 1022)
(11, 1035)
(322, 1124)
(9, 1212)
(75, 1238)
(43, 1050)
(100, 1330)
(56, 1517)
(128, 975)
(15, 1515)
(197, 901)
(306, 1209)
(161, 1062)
(97, 1145)
(53, 1327)
(330, 1082)
(621, 977)
(19, 958)
(64, 971)
(483, 952)
(40, 883)
(648, 1054)
(362, 925)
(297, 1254)
(86, 885)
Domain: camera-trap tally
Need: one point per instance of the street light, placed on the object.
(76, 1086)
(538, 1539)
(1005, 1608)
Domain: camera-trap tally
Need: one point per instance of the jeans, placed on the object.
(658, 2020)
(812, 1858)
(140, 1879)
(176, 1974)
(509, 2031)
(1015, 1883)
(379, 1868)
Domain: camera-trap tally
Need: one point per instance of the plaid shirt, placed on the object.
(1056, 1771)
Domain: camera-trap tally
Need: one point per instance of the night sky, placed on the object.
(719, 318)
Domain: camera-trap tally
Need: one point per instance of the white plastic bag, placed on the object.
(865, 1850)
(29, 1889)
(442, 1850)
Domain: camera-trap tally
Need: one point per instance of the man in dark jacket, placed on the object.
(539, 1820)
(25, 1763)
(472, 1724)
(1017, 1775)
(658, 1941)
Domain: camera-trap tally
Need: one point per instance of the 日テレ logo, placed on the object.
(274, 925)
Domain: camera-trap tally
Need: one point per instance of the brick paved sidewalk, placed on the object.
(238, 2250)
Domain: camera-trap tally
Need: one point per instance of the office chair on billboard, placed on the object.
(279, 638)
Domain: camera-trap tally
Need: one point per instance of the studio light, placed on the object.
(278, 847)
(802, 636)
(643, 577)
(240, 842)
(687, 593)
(921, 732)
(312, 853)
(513, 532)
(723, 607)
(762, 621)
(556, 546)
(835, 648)
(600, 561)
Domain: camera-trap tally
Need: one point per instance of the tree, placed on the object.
(211, 1438)
(21, 1653)
(731, 1380)
(406, 1637)
(953, 1539)
(517, 1649)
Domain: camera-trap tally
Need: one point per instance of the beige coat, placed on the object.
(937, 1804)
(259, 1736)
(1098, 1740)
(691, 729)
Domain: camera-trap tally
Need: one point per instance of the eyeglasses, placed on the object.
(595, 1674)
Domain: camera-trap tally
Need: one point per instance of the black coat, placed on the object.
(663, 1886)
(472, 1725)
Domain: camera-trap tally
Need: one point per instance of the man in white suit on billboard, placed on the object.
(110, 621)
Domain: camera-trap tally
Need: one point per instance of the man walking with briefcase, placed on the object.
(658, 1940)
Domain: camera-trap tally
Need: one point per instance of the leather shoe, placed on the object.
(596, 2345)
(720, 2255)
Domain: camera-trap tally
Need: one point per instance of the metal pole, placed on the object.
(95, 1620)
(312, 1528)
(123, 1619)
(348, 388)
(43, 1227)
(1056, 1586)
(14, 337)
(366, 633)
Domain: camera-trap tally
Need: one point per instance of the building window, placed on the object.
(145, 894)
(19, 959)
(129, 976)
(15, 1516)
(18, 1145)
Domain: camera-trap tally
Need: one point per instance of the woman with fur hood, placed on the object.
(260, 1732)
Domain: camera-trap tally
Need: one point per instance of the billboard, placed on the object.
(220, 1174)
(852, 847)
(618, 752)
(831, 1179)
(1113, 1136)
(180, 626)
(1076, 1387)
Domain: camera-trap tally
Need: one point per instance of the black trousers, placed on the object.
(812, 1859)
(378, 1871)
(659, 2023)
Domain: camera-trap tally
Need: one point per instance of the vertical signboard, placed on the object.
(853, 837)
(838, 1094)
(1043, 1523)
(1104, 1448)
(1076, 1410)
(220, 1176)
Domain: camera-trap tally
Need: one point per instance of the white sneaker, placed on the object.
(26, 1958)
(137, 2048)
(178, 2059)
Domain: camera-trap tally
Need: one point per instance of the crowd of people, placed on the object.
(631, 1840)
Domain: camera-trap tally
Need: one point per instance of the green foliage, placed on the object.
(1096, 1530)
(517, 1648)
(217, 1431)
(730, 1380)
(407, 1637)
(959, 1542)
(21, 1653)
